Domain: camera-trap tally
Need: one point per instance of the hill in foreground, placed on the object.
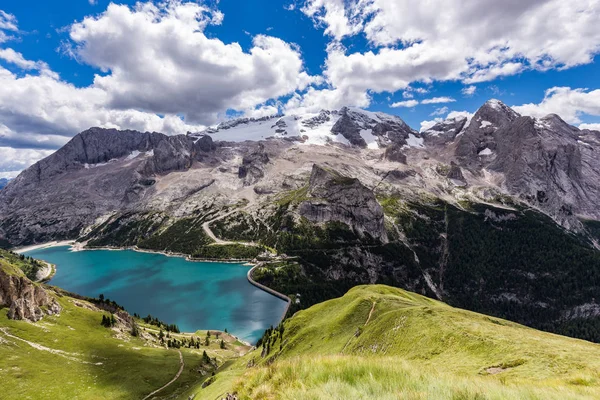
(379, 342)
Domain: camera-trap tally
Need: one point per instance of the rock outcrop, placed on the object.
(479, 138)
(387, 129)
(251, 170)
(25, 299)
(544, 161)
(444, 132)
(335, 197)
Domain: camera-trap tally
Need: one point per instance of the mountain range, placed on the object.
(497, 213)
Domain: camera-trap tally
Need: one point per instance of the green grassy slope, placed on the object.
(71, 356)
(411, 347)
(29, 266)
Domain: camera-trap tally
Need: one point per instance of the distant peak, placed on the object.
(496, 111)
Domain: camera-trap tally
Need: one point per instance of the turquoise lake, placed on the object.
(193, 295)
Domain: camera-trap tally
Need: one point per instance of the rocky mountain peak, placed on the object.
(368, 129)
(478, 142)
(444, 132)
(335, 197)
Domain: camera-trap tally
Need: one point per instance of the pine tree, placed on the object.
(222, 344)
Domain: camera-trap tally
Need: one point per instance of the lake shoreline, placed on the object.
(81, 246)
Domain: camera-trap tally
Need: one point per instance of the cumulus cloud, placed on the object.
(469, 91)
(593, 127)
(407, 103)
(465, 40)
(438, 100)
(160, 72)
(338, 18)
(569, 103)
(159, 60)
(15, 160)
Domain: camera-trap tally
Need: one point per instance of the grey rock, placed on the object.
(335, 197)
(25, 300)
(251, 170)
(545, 163)
(480, 134)
(444, 132)
(390, 130)
(395, 153)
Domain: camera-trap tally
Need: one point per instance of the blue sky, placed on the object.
(176, 66)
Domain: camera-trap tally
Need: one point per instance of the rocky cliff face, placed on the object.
(25, 300)
(98, 172)
(355, 125)
(478, 140)
(335, 197)
(542, 161)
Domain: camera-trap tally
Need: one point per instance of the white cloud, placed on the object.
(339, 19)
(407, 103)
(569, 103)
(425, 125)
(15, 160)
(469, 91)
(438, 100)
(156, 60)
(12, 57)
(93, 2)
(440, 111)
(159, 60)
(433, 100)
(42, 111)
(464, 40)
(593, 127)
(8, 21)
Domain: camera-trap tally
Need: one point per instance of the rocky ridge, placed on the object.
(25, 299)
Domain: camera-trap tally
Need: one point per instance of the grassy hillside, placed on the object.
(29, 266)
(386, 343)
(72, 356)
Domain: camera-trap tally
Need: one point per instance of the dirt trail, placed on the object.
(37, 346)
(366, 322)
(371, 313)
(181, 365)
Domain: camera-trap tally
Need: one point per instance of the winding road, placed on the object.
(217, 241)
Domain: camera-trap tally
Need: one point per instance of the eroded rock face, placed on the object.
(388, 129)
(544, 162)
(25, 299)
(395, 153)
(342, 199)
(251, 170)
(97, 172)
(479, 138)
(444, 132)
